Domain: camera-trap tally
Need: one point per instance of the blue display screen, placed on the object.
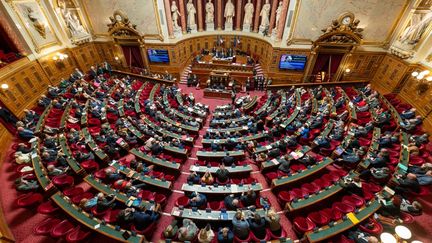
(292, 62)
(159, 56)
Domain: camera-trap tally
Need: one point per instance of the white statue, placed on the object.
(414, 32)
(278, 14)
(72, 21)
(229, 12)
(265, 13)
(175, 14)
(209, 12)
(191, 11)
(249, 10)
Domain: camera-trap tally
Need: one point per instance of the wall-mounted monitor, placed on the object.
(158, 56)
(292, 62)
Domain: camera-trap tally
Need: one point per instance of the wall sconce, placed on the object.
(58, 57)
(4, 86)
(424, 81)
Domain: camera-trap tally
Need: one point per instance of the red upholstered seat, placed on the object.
(160, 198)
(62, 229)
(297, 193)
(29, 199)
(283, 234)
(271, 175)
(215, 205)
(73, 191)
(303, 225)
(333, 214)
(100, 174)
(318, 218)
(256, 239)
(353, 200)
(63, 181)
(284, 197)
(98, 213)
(416, 160)
(343, 207)
(238, 240)
(111, 215)
(407, 218)
(45, 227)
(182, 201)
(297, 167)
(310, 188)
(47, 207)
(77, 235)
(90, 165)
(249, 180)
(77, 199)
(146, 195)
(376, 229)
(147, 232)
(321, 183)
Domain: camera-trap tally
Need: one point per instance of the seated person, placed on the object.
(407, 183)
(53, 171)
(194, 178)
(222, 174)
(171, 230)
(352, 186)
(231, 203)
(359, 236)
(414, 208)
(125, 217)
(248, 198)
(25, 133)
(206, 235)
(423, 173)
(142, 219)
(188, 230)
(105, 202)
(285, 163)
(240, 225)
(225, 235)
(272, 219)
(198, 200)
(207, 178)
(228, 160)
(23, 184)
(257, 226)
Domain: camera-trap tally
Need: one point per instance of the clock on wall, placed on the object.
(346, 18)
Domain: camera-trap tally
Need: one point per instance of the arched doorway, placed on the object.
(128, 39)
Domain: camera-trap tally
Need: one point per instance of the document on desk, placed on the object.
(275, 161)
(194, 168)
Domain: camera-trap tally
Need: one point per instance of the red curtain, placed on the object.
(133, 56)
(324, 61)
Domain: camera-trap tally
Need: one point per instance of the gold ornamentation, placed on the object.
(343, 30)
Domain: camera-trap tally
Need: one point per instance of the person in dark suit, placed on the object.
(198, 200)
(104, 203)
(225, 235)
(222, 174)
(407, 183)
(257, 226)
(248, 198)
(142, 219)
(231, 203)
(228, 160)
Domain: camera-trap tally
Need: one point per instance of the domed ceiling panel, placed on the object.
(377, 17)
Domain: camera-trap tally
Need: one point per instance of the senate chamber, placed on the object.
(216, 121)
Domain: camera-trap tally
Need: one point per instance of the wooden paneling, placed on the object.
(26, 84)
(363, 65)
(27, 80)
(389, 74)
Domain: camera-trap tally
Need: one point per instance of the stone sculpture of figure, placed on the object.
(414, 32)
(175, 14)
(278, 14)
(229, 12)
(72, 21)
(191, 11)
(265, 13)
(249, 10)
(37, 24)
(209, 12)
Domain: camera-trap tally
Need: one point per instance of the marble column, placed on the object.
(220, 18)
(282, 19)
(200, 16)
(257, 16)
(273, 15)
(169, 18)
(183, 16)
(239, 15)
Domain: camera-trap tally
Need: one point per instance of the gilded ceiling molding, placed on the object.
(342, 31)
